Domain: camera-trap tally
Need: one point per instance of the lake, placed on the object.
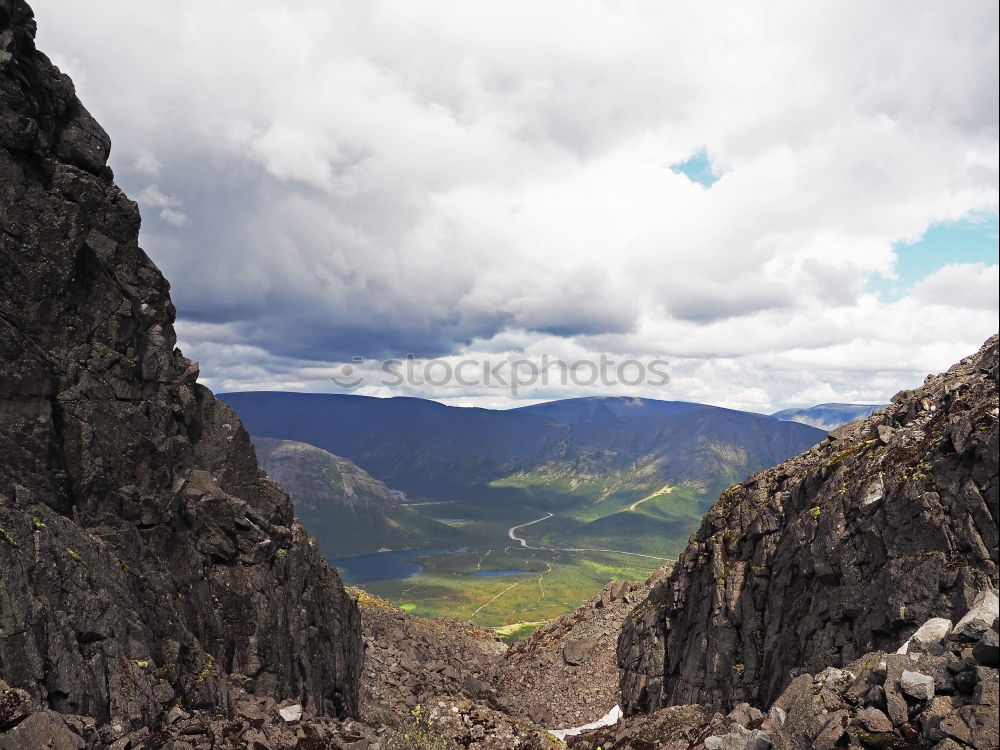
(383, 566)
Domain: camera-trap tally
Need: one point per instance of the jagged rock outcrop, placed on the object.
(841, 551)
(939, 691)
(146, 560)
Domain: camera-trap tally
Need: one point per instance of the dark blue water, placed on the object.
(383, 566)
(495, 573)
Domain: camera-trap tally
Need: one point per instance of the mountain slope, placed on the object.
(828, 416)
(348, 511)
(423, 447)
(147, 562)
(843, 550)
(616, 471)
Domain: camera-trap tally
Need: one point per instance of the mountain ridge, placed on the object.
(591, 471)
(829, 416)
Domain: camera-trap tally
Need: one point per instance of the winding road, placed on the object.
(546, 517)
(512, 529)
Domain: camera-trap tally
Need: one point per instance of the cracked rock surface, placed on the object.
(937, 694)
(841, 551)
(147, 562)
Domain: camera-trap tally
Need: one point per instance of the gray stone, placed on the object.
(874, 720)
(739, 739)
(917, 685)
(44, 730)
(934, 631)
(975, 725)
(15, 704)
(744, 714)
(948, 744)
(291, 714)
(576, 651)
(987, 690)
(979, 619)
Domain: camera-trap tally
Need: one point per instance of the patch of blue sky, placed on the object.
(697, 168)
(969, 240)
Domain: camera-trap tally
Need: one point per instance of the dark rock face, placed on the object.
(935, 692)
(841, 551)
(146, 560)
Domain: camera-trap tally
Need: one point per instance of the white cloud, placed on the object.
(368, 177)
(169, 206)
(961, 285)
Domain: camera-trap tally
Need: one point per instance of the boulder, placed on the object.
(576, 651)
(917, 685)
(978, 619)
(931, 633)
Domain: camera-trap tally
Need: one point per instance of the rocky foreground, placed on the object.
(939, 690)
(156, 591)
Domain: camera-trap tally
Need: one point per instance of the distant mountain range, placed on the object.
(617, 471)
(829, 416)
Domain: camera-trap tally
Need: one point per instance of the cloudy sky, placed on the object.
(789, 202)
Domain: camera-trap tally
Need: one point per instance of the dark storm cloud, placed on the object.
(325, 179)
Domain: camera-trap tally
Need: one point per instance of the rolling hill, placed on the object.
(348, 511)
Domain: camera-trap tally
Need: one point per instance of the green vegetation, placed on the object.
(75, 556)
(206, 670)
(343, 507)
(518, 631)
(7, 537)
(556, 583)
(417, 732)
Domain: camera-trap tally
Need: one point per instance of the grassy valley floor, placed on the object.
(552, 584)
(569, 553)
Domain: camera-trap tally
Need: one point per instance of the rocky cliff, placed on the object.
(836, 553)
(147, 562)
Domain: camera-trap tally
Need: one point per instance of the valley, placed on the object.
(498, 575)
(173, 564)
(575, 492)
(497, 587)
